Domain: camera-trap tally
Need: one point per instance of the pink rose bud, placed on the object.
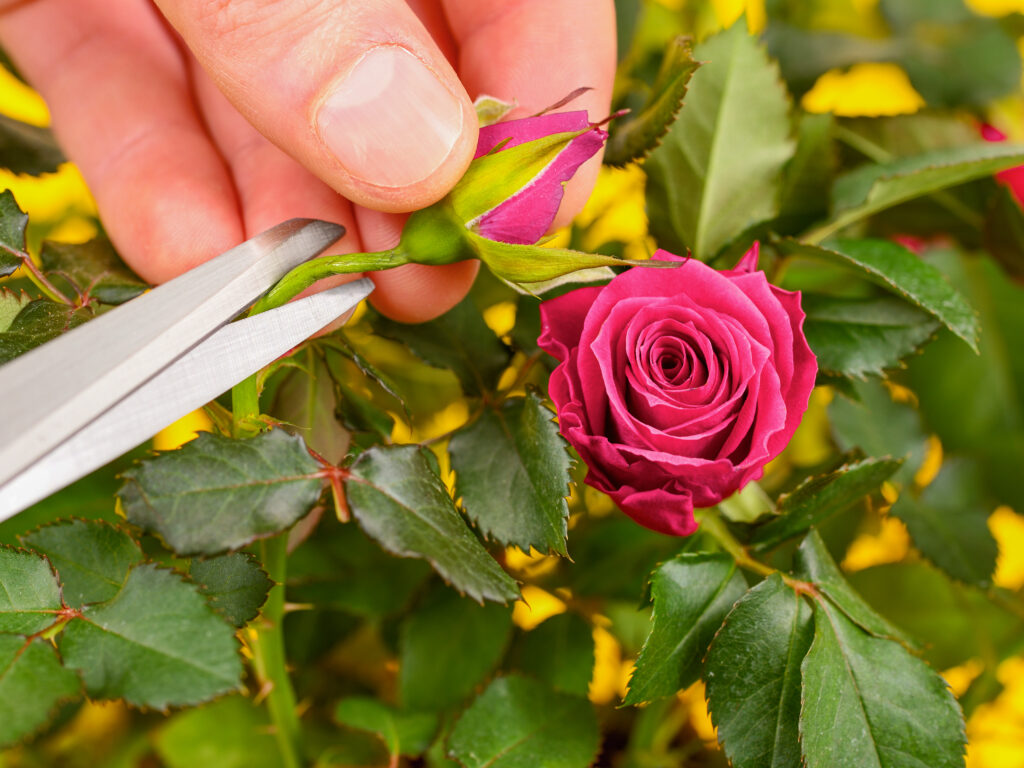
(677, 386)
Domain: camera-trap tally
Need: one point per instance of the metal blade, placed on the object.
(215, 365)
(51, 392)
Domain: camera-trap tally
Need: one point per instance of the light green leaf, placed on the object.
(404, 733)
(216, 493)
(634, 138)
(867, 703)
(901, 272)
(560, 652)
(818, 498)
(448, 646)
(92, 558)
(691, 594)
(232, 732)
(815, 564)
(753, 676)
(512, 472)
(32, 684)
(10, 305)
(949, 523)
(398, 498)
(29, 593)
(874, 187)
(856, 337)
(307, 401)
(519, 723)
(93, 268)
(13, 221)
(157, 644)
(27, 148)
(236, 585)
(719, 170)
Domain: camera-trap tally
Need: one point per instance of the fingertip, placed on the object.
(416, 293)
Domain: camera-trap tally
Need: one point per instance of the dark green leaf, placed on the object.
(339, 567)
(815, 564)
(235, 585)
(307, 400)
(448, 646)
(93, 268)
(404, 733)
(753, 676)
(32, 684)
(1004, 232)
(717, 172)
(949, 523)
(36, 323)
(874, 187)
(560, 652)
(216, 493)
(29, 593)
(879, 426)
(458, 340)
(232, 732)
(27, 148)
(11, 304)
(856, 337)
(512, 472)
(156, 644)
(13, 221)
(518, 722)
(903, 273)
(92, 558)
(807, 178)
(868, 702)
(398, 498)
(691, 596)
(818, 498)
(635, 137)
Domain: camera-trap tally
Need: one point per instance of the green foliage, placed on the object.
(397, 497)
(512, 472)
(11, 304)
(32, 684)
(229, 733)
(235, 585)
(559, 652)
(13, 222)
(36, 323)
(216, 494)
(27, 148)
(156, 644)
(717, 172)
(518, 722)
(93, 269)
(30, 596)
(691, 595)
(404, 733)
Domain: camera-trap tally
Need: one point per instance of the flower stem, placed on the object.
(37, 277)
(269, 656)
(713, 525)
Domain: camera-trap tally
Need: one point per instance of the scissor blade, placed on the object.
(53, 391)
(216, 364)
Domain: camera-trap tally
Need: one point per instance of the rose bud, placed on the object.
(676, 387)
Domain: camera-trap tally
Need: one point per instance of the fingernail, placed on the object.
(390, 121)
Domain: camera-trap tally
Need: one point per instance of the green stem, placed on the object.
(269, 656)
(713, 525)
(304, 275)
(37, 277)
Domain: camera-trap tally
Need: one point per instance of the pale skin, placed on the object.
(199, 123)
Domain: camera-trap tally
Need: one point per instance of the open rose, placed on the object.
(676, 386)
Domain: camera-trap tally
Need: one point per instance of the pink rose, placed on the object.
(676, 386)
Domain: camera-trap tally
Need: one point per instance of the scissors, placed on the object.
(85, 398)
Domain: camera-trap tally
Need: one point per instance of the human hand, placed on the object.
(199, 123)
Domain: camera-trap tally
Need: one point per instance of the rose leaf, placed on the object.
(94, 268)
(518, 722)
(32, 684)
(399, 499)
(404, 733)
(13, 221)
(691, 594)
(232, 732)
(36, 323)
(91, 557)
(818, 498)
(559, 651)
(235, 584)
(718, 171)
(27, 148)
(753, 676)
(29, 592)
(11, 304)
(866, 701)
(447, 646)
(512, 472)
(215, 493)
(156, 644)
(949, 523)
(857, 337)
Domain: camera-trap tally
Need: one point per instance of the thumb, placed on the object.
(355, 90)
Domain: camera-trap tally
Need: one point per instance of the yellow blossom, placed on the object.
(1008, 529)
(183, 430)
(728, 11)
(889, 545)
(535, 606)
(870, 89)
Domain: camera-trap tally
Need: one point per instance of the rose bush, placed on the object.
(677, 386)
